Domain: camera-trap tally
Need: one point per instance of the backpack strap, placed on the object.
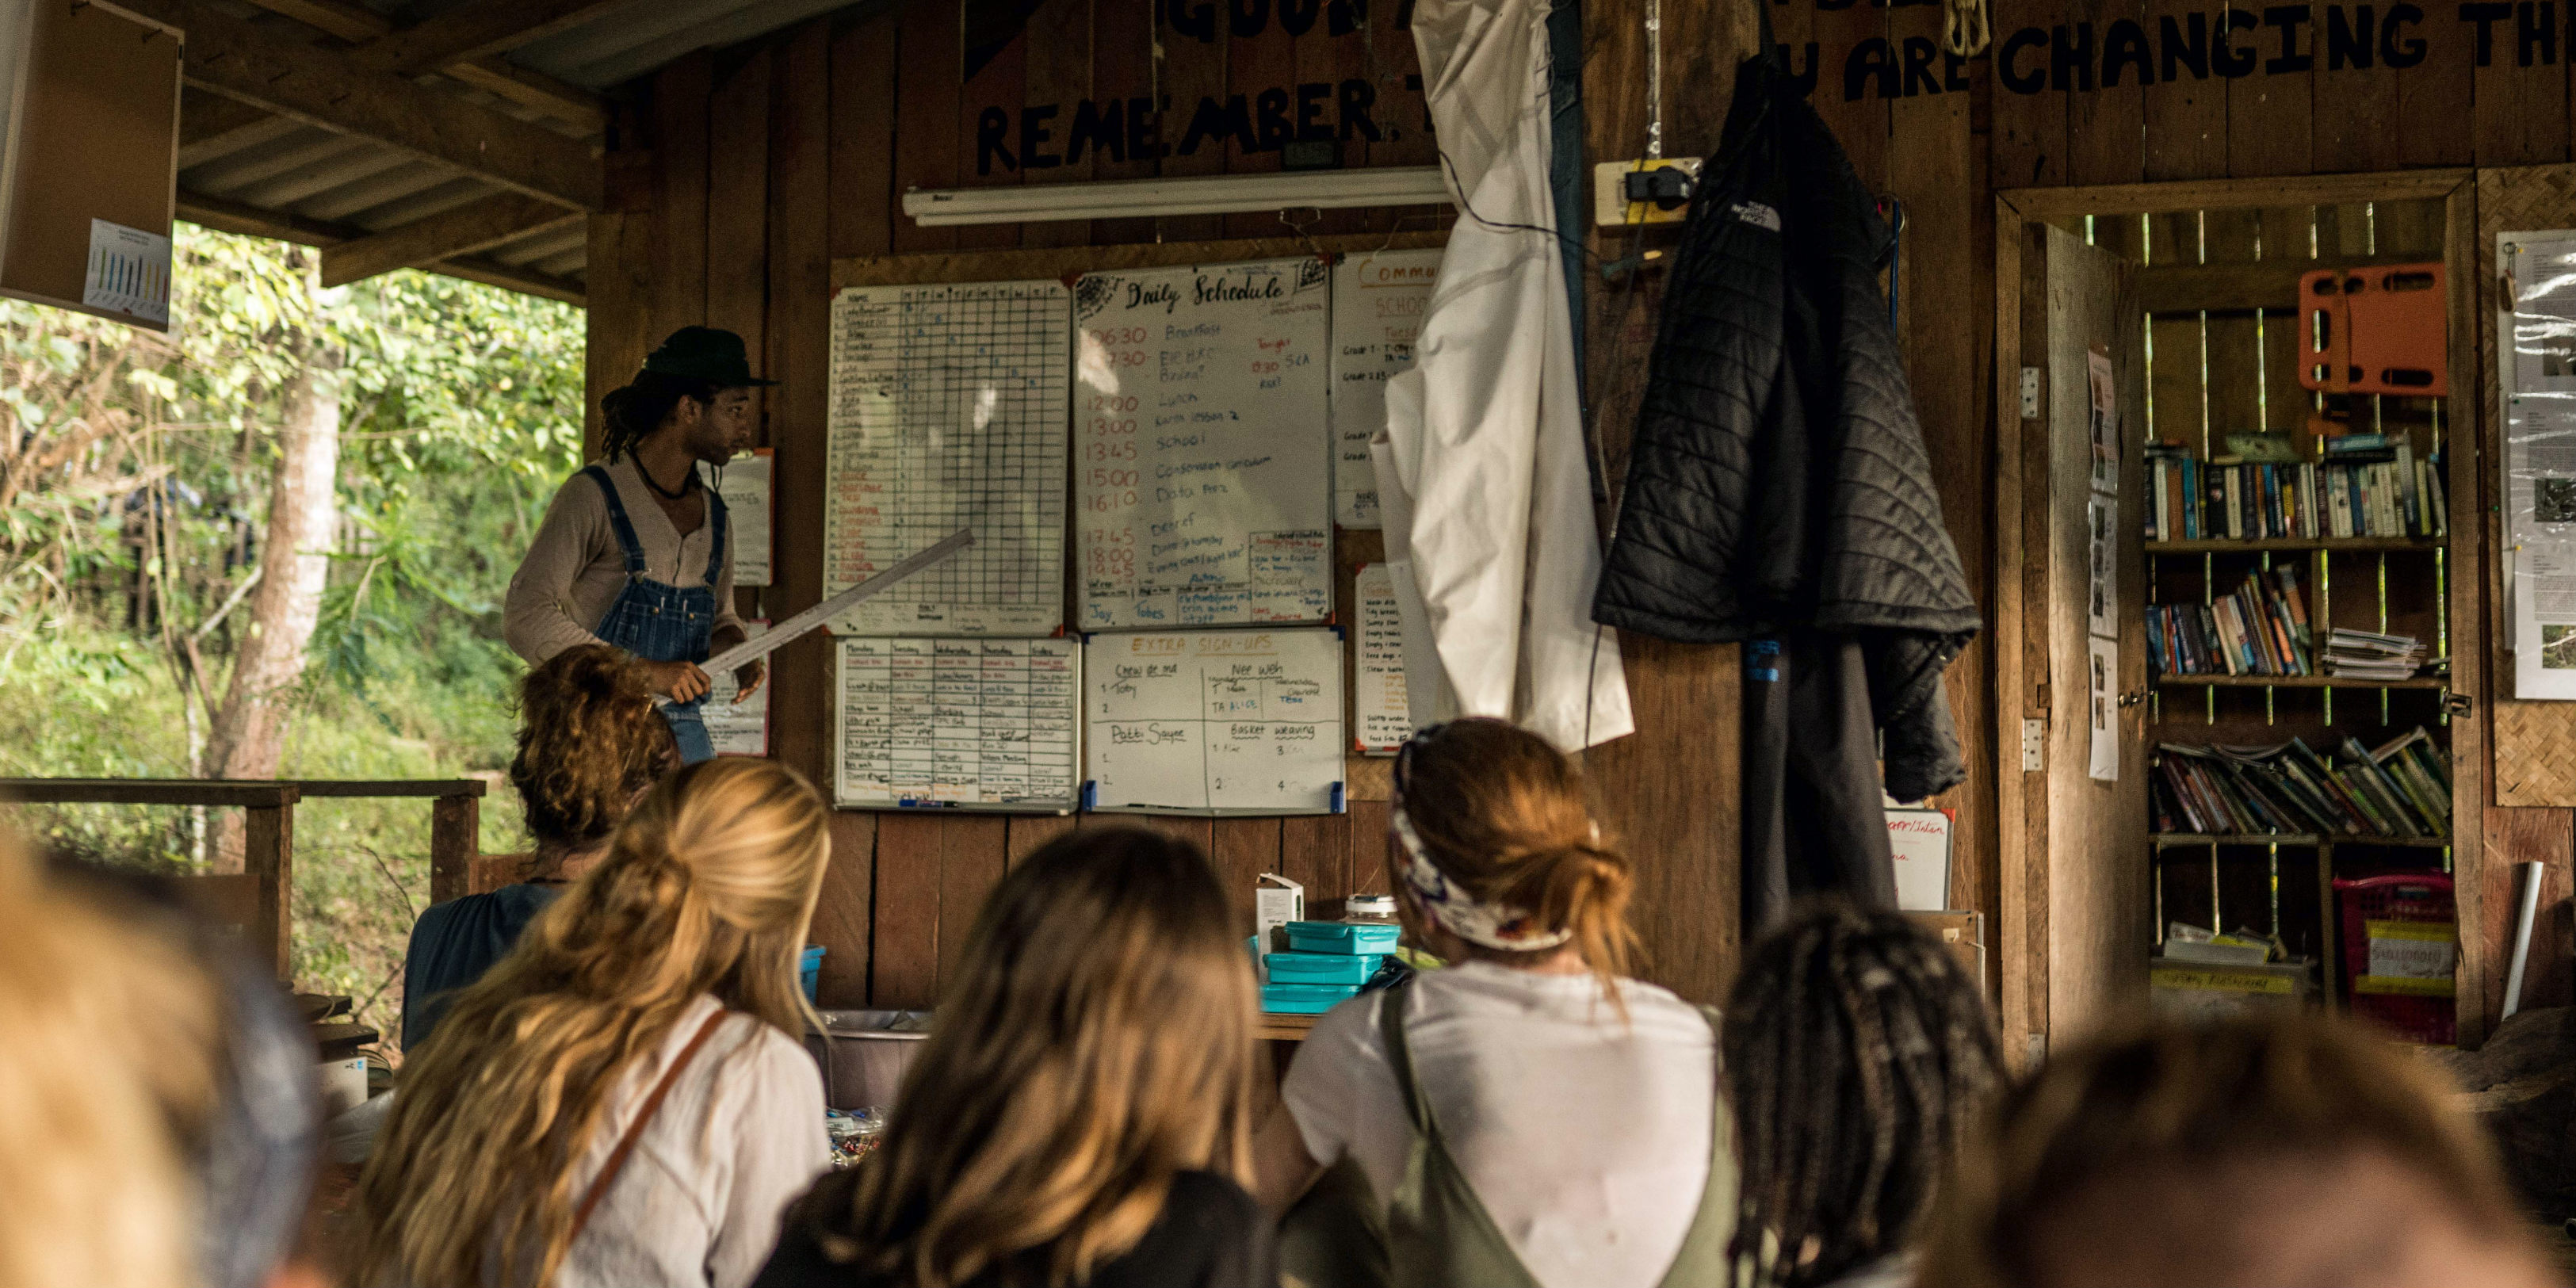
(634, 1131)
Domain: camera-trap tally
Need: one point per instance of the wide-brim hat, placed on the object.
(705, 353)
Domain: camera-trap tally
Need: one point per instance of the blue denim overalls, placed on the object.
(660, 622)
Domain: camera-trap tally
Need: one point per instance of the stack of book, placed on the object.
(2368, 485)
(2260, 628)
(2362, 655)
(2402, 789)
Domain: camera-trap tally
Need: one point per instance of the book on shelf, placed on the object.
(2366, 485)
(2400, 790)
(2260, 628)
(2367, 655)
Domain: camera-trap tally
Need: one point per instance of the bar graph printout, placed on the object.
(1202, 450)
(960, 722)
(949, 410)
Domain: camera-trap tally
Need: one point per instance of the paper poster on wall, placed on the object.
(1203, 469)
(1920, 840)
(1379, 300)
(2102, 565)
(2102, 420)
(948, 412)
(1214, 722)
(964, 723)
(2103, 709)
(1379, 703)
(744, 483)
(2538, 371)
(738, 728)
(129, 271)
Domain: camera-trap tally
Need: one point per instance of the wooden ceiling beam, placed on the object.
(469, 229)
(249, 221)
(241, 60)
(370, 31)
(481, 29)
(526, 281)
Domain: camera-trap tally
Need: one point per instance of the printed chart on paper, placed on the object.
(1379, 302)
(1215, 721)
(948, 412)
(1202, 452)
(967, 722)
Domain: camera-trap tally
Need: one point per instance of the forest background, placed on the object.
(274, 543)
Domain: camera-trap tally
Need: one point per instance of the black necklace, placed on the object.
(688, 483)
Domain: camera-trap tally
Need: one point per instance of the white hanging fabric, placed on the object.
(1488, 505)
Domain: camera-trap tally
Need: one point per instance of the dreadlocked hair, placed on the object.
(639, 407)
(1506, 816)
(1856, 1052)
(589, 741)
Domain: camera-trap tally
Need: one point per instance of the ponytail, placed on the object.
(637, 408)
(1582, 888)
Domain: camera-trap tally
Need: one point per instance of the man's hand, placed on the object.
(678, 681)
(748, 678)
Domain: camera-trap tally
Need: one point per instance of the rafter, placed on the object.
(234, 217)
(371, 31)
(467, 230)
(485, 28)
(243, 61)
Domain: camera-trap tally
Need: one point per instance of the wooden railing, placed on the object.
(259, 899)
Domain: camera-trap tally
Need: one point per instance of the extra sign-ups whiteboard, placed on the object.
(1202, 482)
(1215, 722)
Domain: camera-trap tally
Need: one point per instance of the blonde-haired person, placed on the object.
(625, 1100)
(1079, 1115)
(2265, 1150)
(1527, 1115)
(590, 742)
(105, 1092)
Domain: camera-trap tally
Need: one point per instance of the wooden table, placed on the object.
(1282, 1028)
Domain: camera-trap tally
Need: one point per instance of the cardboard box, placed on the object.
(2207, 990)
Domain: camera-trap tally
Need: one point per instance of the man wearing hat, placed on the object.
(635, 552)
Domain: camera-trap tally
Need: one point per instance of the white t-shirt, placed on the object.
(1587, 1140)
(739, 1136)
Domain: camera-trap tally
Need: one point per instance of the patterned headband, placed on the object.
(1445, 902)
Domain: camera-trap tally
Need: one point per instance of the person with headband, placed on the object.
(635, 552)
(1528, 1115)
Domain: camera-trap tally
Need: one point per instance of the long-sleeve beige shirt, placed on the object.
(573, 570)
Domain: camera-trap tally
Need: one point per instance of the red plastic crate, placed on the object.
(2402, 998)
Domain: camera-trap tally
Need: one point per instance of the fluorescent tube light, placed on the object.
(1213, 194)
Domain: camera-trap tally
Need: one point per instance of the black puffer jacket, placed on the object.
(1778, 478)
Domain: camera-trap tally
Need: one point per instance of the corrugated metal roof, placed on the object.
(351, 184)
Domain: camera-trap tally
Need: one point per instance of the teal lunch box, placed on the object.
(1323, 968)
(1305, 999)
(1342, 937)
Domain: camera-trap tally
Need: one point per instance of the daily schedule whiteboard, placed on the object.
(965, 723)
(948, 412)
(1379, 300)
(1203, 466)
(1215, 722)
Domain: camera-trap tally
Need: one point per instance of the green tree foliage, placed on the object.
(133, 476)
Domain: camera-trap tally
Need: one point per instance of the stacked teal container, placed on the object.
(1327, 963)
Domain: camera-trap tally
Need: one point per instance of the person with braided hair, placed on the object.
(626, 1098)
(1528, 1115)
(590, 743)
(1857, 1049)
(635, 552)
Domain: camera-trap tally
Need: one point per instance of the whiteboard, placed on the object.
(1203, 463)
(948, 412)
(967, 723)
(1379, 704)
(743, 482)
(738, 728)
(1378, 303)
(1919, 839)
(1214, 722)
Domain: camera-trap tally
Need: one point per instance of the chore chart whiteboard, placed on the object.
(1202, 456)
(1379, 300)
(1214, 722)
(959, 723)
(948, 412)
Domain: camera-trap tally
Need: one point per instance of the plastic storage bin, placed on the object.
(2401, 944)
(1342, 937)
(1305, 999)
(1324, 968)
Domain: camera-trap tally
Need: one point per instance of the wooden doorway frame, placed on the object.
(2022, 922)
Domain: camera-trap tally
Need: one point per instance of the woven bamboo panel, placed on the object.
(2535, 742)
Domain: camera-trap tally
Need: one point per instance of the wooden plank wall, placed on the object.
(741, 173)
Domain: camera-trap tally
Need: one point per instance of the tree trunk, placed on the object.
(249, 733)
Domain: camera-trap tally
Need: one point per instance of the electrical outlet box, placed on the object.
(2034, 746)
(1610, 205)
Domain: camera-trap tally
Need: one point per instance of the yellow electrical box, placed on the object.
(1610, 205)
